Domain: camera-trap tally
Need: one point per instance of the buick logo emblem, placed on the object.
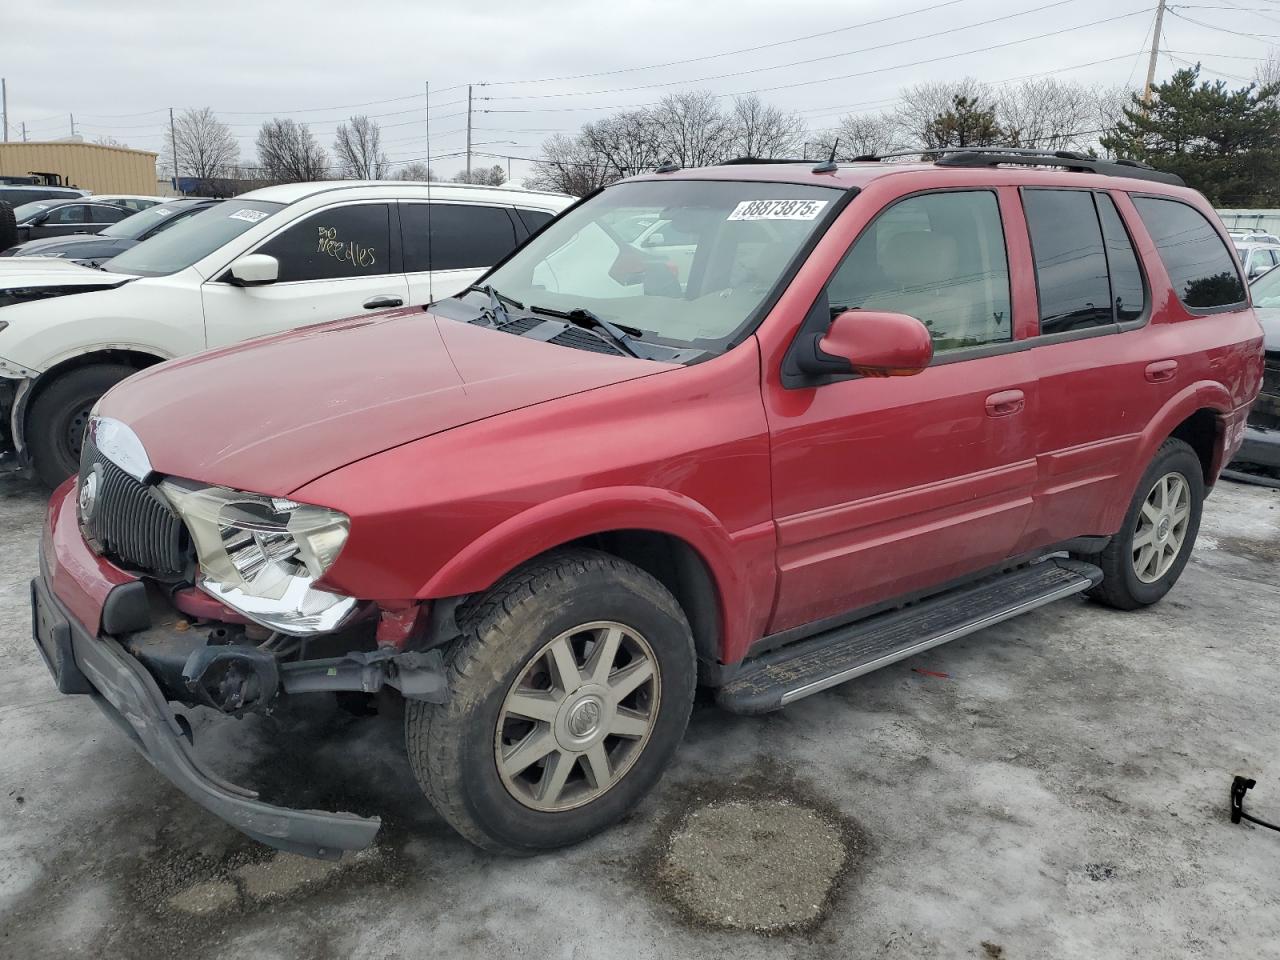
(584, 718)
(88, 495)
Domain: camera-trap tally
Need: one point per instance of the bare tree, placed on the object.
(416, 170)
(922, 104)
(626, 144)
(494, 176)
(1048, 113)
(1108, 113)
(105, 141)
(1267, 72)
(764, 131)
(358, 149)
(691, 130)
(569, 165)
(206, 149)
(288, 153)
(860, 135)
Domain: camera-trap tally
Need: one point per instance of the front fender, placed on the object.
(740, 564)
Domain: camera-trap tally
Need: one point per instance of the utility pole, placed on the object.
(73, 123)
(1155, 55)
(173, 147)
(468, 133)
(24, 131)
(4, 108)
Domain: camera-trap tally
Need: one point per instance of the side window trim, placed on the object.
(222, 275)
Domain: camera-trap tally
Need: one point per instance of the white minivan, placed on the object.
(265, 261)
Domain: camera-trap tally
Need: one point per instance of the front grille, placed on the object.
(130, 522)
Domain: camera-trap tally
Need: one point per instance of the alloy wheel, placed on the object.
(1162, 527)
(578, 716)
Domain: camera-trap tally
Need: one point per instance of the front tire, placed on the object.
(569, 693)
(59, 415)
(1145, 559)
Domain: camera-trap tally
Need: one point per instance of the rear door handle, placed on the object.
(381, 303)
(1162, 370)
(1005, 403)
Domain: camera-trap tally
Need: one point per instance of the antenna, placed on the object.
(830, 165)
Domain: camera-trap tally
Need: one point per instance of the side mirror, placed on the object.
(255, 270)
(869, 343)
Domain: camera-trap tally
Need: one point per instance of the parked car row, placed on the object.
(764, 427)
(190, 275)
(57, 217)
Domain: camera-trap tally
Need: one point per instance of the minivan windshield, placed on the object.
(683, 262)
(193, 239)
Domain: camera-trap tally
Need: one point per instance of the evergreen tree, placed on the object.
(1225, 143)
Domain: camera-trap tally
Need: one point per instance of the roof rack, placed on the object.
(739, 161)
(1068, 159)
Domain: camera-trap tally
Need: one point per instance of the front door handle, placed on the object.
(1005, 403)
(381, 303)
(1162, 371)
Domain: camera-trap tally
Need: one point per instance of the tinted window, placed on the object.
(1127, 292)
(938, 257)
(1071, 264)
(108, 213)
(535, 220)
(351, 241)
(462, 236)
(1197, 260)
(68, 213)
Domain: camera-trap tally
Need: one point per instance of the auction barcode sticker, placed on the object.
(777, 210)
(253, 216)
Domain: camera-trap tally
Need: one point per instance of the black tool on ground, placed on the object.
(1239, 787)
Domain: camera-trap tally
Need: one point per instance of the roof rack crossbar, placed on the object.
(1068, 159)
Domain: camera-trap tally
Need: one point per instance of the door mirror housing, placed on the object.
(254, 270)
(869, 343)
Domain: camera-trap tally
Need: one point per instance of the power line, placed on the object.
(791, 63)
(1209, 26)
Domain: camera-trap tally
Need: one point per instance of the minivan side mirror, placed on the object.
(254, 270)
(869, 343)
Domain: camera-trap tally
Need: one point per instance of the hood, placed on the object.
(65, 247)
(273, 414)
(1269, 317)
(37, 278)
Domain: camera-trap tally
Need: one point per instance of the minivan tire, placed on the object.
(1121, 586)
(456, 748)
(59, 414)
(8, 226)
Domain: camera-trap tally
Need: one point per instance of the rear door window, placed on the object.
(1070, 260)
(1128, 292)
(350, 241)
(454, 236)
(1196, 258)
(69, 213)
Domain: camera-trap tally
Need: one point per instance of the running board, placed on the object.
(808, 666)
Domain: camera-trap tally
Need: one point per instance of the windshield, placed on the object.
(131, 228)
(686, 262)
(1266, 289)
(191, 239)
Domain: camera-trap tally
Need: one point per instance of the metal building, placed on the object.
(89, 166)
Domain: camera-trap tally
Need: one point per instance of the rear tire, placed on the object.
(561, 640)
(1144, 560)
(59, 414)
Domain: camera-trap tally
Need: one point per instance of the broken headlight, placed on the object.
(262, 555)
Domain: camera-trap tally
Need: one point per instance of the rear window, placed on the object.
(1199, 263)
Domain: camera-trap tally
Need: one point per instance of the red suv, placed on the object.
(766, 427)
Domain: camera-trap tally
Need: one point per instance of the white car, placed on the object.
(266, 261)
(1257, 256)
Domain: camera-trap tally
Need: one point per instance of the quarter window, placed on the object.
(351, 241)
(534, 220)
(1071, 263)
(938, 257)
(1197, 260)
(454, 236)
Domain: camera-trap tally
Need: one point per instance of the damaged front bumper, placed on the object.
(90, 624)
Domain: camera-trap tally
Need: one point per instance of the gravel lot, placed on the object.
(1053, 787)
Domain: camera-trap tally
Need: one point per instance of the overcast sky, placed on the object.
(119, 66)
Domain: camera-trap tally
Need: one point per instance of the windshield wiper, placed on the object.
(620, 336)
(497, 309)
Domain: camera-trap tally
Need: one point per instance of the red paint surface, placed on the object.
(459, 452)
